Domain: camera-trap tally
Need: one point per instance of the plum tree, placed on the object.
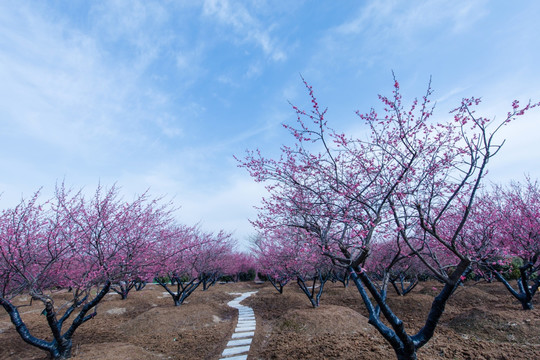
(74, 243)
(412, 180)
(511, 218)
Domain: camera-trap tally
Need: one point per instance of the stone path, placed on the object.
(238, 347)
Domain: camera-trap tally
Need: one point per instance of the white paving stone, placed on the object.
(239, 342)
(246, 323)
(235, 350)
(240, 357)
(244, 328)
(243, 334)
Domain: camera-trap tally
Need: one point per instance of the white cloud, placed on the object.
(130, 21)
(253, 71)
(228, 206)
(393, 18)
(246, 26)
(451, 95)
(166, 124)
(225, 204)
(54, 83)
(67, 110)
(189, 59)
(375, 11)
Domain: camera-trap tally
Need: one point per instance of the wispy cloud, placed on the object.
(246, 26)
(54, 82)
(392, 18)
(66, 103)
(452, 95)
(132, 24)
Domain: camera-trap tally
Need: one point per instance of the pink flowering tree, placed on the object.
(36, 245)
(273, 261)
(49, 246)
(287, 254)
(439, 168)
(412, 174)
(243, 266)
(514, 215)
(177, 247)
(392, 262)
(311, 267)
(213, 257)
(236, 266)
(139, 227)
(188, 257)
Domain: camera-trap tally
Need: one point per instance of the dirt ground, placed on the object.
(480, 322)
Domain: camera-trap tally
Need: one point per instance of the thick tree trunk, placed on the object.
(524, 293)
(61, 345)
(403, 356)
(277, 284)
(182, 290)
(62, 350)
(313, 297)
(404, 345)
(139, 285)
(527, 305)
(403, 290)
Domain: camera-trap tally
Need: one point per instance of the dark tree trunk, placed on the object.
(61, 345)
(342, 276)
(208, 280)
(313, 297)
(139, 285)
(525, 292)
(278, 284)
(403, 290)
(404, 345)
(123, 288)
(183, 290)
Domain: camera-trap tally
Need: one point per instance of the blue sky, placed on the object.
(162, 94)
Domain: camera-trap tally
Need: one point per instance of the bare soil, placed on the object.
(480, 322)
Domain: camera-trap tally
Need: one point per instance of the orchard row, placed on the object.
(502, 233)
(72, 242)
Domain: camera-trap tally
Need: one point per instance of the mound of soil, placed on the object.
(496, 327)
(326, 319)
(329, 331)
(480, 322)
